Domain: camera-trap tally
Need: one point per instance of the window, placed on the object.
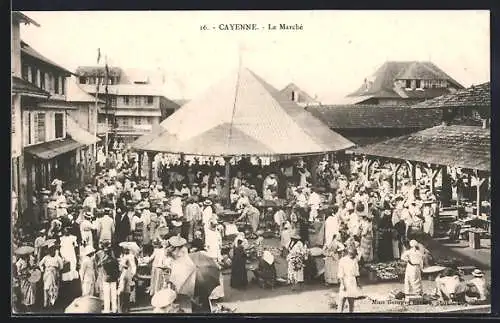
(83, 80)
(92, 80)
(418, 84)
(293, 95)
(126, 99)
(138, 100)
(59, 125)
(408, 84)
(149, 100)
(25, 71)
(138, 120)
(63, 85)
(149, 120)
(26, 128)
(51, 82)
(126, 121)
(57, 84)
(39, 128)
(42, 80)
(113, 101)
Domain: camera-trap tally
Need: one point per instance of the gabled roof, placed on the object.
(375, 117)
(472, 97)
(382, 81)
(303, 95)
(98, 71)
(243, 115)
(22, 18)
(456, 145)
(30, 51)
(181, 102)
(24, 87)
(76, 94)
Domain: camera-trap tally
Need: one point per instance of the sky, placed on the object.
(329, 58)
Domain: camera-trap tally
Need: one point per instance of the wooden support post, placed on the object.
(150, 166)
(368, 168)
(413, 172)
(139, 162)
(227, 175)
(479, 182)
(432, 172)
(395, 169)
(446, 194)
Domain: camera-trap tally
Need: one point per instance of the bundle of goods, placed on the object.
(389, 271)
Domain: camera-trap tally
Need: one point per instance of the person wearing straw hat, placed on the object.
(413, 274)
(163, 301)
(88, 273)
(23, 273)
(51, 266)
(477, 288)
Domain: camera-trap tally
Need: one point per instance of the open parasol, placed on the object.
(84, 305)
(195, 275)
(130, 245)
(24, 250)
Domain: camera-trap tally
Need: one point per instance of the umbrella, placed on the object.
(195, 275)
(433, 269)
(24, 250)
(130, 245)
(85, 304)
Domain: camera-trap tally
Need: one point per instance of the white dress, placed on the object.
(347, 273)
(67, 250)
(213, 244)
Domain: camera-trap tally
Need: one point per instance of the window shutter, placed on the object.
(50, 127)
(26, 128)
(34, 128)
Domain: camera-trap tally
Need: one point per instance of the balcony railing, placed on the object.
(143, 128)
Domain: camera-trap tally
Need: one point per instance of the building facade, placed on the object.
(46, 142)
(134, 103)
(404, 83)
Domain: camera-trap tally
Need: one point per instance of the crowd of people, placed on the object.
(100, 239)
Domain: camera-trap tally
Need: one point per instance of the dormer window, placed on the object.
(293, 95)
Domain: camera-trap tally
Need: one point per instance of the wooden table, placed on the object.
(475, 237)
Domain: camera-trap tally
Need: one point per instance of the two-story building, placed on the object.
(50, 142)
(404, 83)
(134, 104)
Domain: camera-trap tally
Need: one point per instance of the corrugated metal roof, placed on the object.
(28, 50)
(472, 97)
(78, 133)
(24, 87)
(456, 145)
(51, 149)
(376, 117)
(256, 113)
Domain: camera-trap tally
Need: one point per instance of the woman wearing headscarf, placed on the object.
(332, 252)
(413, 274)
(27, 288)
(68, 254)
(51, 266)
(296, 260)
(239, 277)
(266, 270)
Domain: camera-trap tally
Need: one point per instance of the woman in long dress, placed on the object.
(239, 277)
(161, 264)
(385, 251)
(27, 288)
(413, 274)
(51, 266)
(68, 254)
(296, 259)
(366, 243)
(332, 252)
(128, 257)
(213, 245)
(428, 214)
(88, 273)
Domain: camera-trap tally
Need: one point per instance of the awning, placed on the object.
(78, 133)
(51, 149)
